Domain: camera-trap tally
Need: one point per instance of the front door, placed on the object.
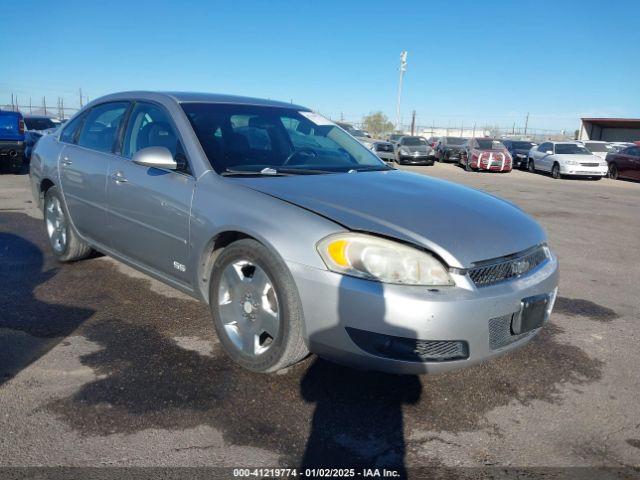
(149, 208)
(84, 164)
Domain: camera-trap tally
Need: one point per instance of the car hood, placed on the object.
(578, 157)
(460, 224)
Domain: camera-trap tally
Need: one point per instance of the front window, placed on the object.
(413, 141)
(248, 139)
(571, 149)
(455, 141)
(39, 123)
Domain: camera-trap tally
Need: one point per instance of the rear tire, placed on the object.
(258, 319)
(613, 171)
(64, 241)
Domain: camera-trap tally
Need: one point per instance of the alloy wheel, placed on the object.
(56, 224)
(248, 307)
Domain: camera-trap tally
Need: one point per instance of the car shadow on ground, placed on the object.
(29, 327)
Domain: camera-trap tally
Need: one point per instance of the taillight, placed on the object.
(21, 126)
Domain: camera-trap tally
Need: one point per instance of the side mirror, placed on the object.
(549, 152)
(156, 157)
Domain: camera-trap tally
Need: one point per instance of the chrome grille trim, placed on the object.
(506, 268)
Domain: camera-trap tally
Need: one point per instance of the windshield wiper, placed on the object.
(373, 169)
(265, 172)
(303, 171)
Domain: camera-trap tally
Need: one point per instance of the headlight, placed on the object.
(404, 152)
(571, 162)
(386, 261)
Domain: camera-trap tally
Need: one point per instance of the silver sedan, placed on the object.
(297, 236)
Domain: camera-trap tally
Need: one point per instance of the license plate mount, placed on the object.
(532, 314)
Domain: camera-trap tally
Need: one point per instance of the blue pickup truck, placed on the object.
(12, 140)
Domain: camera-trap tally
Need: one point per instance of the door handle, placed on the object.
(66, 161)
(118, 177)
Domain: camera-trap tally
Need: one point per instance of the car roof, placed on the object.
(196, 97)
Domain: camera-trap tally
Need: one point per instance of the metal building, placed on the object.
(610, 129)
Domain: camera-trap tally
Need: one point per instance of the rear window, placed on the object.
(455, 140)
(522, 145)
(39, 123)
(488, 144)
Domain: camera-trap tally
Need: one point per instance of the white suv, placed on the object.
(566, 158)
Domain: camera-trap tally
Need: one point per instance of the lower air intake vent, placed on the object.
(409, 349)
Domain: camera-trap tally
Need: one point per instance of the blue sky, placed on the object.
(469, 61)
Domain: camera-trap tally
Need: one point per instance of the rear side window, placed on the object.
(69, 133)
(100, 129)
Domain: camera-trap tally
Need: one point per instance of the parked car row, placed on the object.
(19, 134)
(592, 159)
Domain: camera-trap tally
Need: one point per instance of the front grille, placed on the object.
(408, 349)
(498, 270)
(589, 164)
(500, 332)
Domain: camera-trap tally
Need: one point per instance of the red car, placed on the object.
(625, 163)
(486, 154)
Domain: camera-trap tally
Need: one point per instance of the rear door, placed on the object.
(149, 208)
(84, 164)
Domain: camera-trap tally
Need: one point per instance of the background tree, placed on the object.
(377, 124)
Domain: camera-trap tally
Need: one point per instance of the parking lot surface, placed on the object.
(100, 365)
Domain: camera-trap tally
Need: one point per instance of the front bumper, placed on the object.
(386, 156)
(421, 159)
(519, 160)
(11, 150)
(334, 304)
(585, 171)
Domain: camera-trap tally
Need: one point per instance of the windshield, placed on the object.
(39, 123)
(599, 147)
(250, 139)
(455, 140)
(489, 144)
(523, 145)
(571, 149)
(413, 141)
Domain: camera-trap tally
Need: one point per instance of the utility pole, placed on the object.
(526, 123)
(61, 109)
(30, 109)
(44, 104)
(474, 130)
(462, 128)
(413, 123)
(403, 68)
(12, 102)
(513, 129)
(80, 92)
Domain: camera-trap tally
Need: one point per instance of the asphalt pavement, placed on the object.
(101, 365)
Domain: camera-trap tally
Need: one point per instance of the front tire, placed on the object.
(256, 309)
(64, 241)
(613, 171)
(555, 171)
(531, 167)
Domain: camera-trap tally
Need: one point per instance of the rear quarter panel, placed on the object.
(44, 165)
